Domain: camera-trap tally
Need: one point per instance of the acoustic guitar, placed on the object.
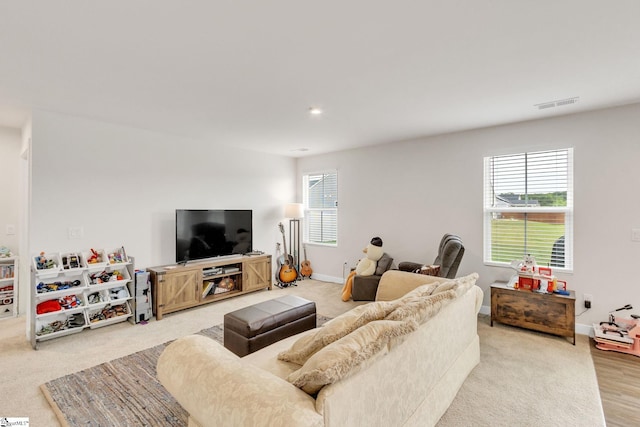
(288, 273)
(305, 266)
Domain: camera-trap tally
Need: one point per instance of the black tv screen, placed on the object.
(211, 233)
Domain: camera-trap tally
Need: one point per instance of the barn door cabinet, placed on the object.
(178, 287)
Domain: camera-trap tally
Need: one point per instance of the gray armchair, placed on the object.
(449, 257)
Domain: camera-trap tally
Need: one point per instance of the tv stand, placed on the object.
(181, 286)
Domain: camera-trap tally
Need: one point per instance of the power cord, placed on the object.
(583, 312)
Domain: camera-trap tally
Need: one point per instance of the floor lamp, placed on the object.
(295, 212)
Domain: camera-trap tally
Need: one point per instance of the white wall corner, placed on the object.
(583, 329)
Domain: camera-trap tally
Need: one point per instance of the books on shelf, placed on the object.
(218, 287)
(6, 271)
(207, 288)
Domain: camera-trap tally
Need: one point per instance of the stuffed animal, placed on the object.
(366, 266)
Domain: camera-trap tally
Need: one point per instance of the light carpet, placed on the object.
(524, 379)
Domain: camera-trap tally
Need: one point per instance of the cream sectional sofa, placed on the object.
(410, 379)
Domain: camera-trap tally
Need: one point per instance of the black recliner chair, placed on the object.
(449, 257)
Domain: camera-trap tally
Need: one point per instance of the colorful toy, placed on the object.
(69, 301)
(42, 263)
(56, 286)
(619, 334)
(71, 261)
(104, 277)
(48, 307)
(118, 256)
(530, 277)
(94, 258)
(5, 252)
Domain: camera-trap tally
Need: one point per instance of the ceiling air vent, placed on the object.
(558, 103)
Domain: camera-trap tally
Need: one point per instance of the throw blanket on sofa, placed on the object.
(343, 345)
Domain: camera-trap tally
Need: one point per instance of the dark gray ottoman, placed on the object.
(257, 326)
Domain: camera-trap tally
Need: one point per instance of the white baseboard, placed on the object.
(325, 278)
(581, 329)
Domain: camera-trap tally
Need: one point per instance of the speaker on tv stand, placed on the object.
(142, 307)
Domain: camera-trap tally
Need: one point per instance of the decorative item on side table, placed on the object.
(530, 277)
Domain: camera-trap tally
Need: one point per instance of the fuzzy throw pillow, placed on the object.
(335, 329)
(348, 355)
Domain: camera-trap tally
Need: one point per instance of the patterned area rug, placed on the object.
(121, 392)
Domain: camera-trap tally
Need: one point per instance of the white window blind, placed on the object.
(320, 197)
(528, 208)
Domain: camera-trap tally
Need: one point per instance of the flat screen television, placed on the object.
(205, 233)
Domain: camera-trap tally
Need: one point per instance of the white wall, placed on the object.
(122, 186)
(10, 143)
(411, 193)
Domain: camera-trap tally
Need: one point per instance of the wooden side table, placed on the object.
(550, 313)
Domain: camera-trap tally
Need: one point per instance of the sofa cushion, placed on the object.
(461, 284)
(383, 265)
(335, 329)
(348, 355)
(420, 291)
(395, 284)
(422, 308)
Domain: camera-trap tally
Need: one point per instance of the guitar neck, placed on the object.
(284, 241)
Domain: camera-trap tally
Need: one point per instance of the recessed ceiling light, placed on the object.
(315, 111)
(300, 149)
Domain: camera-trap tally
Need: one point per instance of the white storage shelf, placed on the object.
(8, 287)
(106, 298)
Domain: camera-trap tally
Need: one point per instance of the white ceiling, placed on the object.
(244, 73)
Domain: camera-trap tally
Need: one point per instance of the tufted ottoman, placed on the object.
(252, 328)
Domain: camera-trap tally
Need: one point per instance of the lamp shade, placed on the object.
(294, 210)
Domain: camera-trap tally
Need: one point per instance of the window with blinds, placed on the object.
(320, 198)
(528, 208)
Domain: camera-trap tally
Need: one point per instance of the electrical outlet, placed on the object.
(587, 300)
(76, 232)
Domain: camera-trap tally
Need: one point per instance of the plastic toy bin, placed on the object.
(52, 264)
(108, 314)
